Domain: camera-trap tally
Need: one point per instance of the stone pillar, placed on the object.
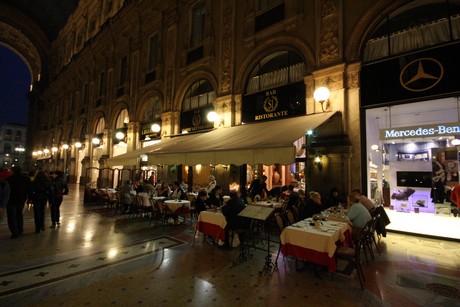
(352, 122)
(134, 132)
(223, 107)
(237, 109)
(170, 123)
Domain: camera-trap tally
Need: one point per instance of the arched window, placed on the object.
(153, 109)
(100, 126)
(414, 27)
(199, 94)
(277, 69)
(122, 119)
(197, 103)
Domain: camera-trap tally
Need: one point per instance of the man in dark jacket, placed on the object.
(20, 188)
(59, 188)
(231, 210)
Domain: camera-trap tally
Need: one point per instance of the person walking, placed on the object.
(59, 188)
(4, 191)
(20, 188)
(41, 193)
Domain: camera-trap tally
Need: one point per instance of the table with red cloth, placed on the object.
(316, 244)
(212, 224)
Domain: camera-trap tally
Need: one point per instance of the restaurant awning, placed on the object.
(266, 143)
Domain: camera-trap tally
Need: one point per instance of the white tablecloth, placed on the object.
(321, 239)
(173, 205)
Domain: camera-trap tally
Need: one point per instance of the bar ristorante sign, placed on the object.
(276, 103)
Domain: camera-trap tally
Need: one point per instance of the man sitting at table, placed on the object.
(293, 198)
(358, 214)
(200, 202)
(177, 192)
(366, 202)
(231, 210)
(312, 205)
(126, 193)
(215, 199)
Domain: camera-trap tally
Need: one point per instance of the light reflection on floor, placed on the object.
(169, 271)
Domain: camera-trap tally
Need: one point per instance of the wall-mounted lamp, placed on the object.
(46, 151)
(120, 135)
(96, 141)
(54, 149)
(321, 95)
(78, 145)
(65, 146)
(155, 128)
(215, 118)
(40, 152)
(318, 160)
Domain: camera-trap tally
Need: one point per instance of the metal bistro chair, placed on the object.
(353, 254)
(281, 222)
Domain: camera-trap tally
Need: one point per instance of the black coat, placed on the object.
(231, 210)
(20, 190)
(382, 222)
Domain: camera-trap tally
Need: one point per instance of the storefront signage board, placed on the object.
(448, 129)
(277, 103)
(196, 120)
(411, 77)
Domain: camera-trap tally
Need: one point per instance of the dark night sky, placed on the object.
(14, 86)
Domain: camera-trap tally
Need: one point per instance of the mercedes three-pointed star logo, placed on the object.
(421, 74)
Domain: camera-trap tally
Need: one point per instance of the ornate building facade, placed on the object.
(118, 68)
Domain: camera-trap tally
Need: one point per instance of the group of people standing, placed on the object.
(17, 189)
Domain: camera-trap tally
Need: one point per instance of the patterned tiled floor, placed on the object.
(100, 259)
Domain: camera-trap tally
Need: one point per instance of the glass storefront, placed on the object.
(412, 152)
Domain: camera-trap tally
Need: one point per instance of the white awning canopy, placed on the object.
(266, 143)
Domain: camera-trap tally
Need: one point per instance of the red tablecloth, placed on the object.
(212, 230)
(212, 224)
(315, 244)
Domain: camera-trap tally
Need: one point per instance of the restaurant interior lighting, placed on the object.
(78, 144)
(321, 95)
(54, 149)
(65, 146)
(46, 151)
(455, 142)
(34, 153)
(40, 152)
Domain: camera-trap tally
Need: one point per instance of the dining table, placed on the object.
(212, 223)
(315, 242)
(174, 204)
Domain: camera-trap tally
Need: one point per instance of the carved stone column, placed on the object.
(352, 120)
(223, 107)
(227, 48)
(329, 27)
(170, 123)
(134, 131)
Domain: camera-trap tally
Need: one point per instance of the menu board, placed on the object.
(256, 212)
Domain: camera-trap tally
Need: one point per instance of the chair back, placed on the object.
(280, 221)
(290, 217)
